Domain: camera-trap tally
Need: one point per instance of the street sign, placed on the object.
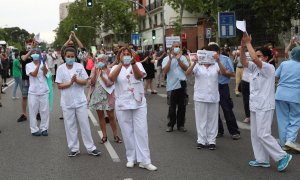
(226, 24)
(135, 38)
(208, 33)
(171, 39)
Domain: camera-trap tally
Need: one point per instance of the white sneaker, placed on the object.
(150, 167)
(292, 145)
(13, 97)
(130, 164)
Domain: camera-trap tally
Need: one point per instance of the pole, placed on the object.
(151, 22)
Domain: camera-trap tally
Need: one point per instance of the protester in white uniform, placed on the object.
(72, 78)
(262, 105)
(131, 108)
(50, 62)
(38, 94)
(206, 99)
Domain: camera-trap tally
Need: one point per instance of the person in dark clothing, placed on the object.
(148, 64)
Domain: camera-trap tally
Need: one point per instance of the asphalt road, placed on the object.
(23, 156)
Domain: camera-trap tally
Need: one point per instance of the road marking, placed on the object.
(128, 179)
(114, 156)
(10, 83)
(162, 95)
(93, 119)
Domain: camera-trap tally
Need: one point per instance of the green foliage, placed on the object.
(14, 36)
(105, 14)
(265, 18)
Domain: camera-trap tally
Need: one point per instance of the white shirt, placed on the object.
(38, 85)
(72, 97)
(262, 87)
(129, 91)
(206, 83)
(50, 62)
(246, 75)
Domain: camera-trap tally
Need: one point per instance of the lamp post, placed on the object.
(151, 22)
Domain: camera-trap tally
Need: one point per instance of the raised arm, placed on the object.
(243, 58)
(247, 40)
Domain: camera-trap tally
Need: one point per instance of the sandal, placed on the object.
(103, 140)
(117, 139)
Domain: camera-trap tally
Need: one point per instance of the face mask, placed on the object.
(35, 57)
(70, 61)
(176, 50)
(100, 65)
(140, 51)
(126, 59)
(161, 49)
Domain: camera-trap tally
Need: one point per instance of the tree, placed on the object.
(265, 18)
(105, 15)
(14, 36)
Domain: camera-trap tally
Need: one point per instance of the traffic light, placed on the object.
(76, 27)
(153, 34)
(89, 3)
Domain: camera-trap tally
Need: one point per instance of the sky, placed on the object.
(35, 16)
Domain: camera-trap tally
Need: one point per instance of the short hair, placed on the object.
(213, 47)
(122, 50)
(176, 42)
(266, 52)
(70, 49)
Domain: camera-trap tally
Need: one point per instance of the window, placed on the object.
(155, 19)
(161, 17)
(140, 2)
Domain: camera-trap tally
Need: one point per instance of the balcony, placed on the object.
(155, 5)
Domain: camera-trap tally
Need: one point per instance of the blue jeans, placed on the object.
(18, 82)
(288, 119)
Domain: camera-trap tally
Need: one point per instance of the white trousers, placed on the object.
(263, 143)
(134, 128)
(206, 115)
(81, 115)
(38, 104)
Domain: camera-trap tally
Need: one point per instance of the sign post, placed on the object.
(226, 24)
(135, 38)
(208, 34)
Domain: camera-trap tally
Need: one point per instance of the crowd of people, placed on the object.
(118, 82)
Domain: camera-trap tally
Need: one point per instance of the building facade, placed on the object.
(63, 10)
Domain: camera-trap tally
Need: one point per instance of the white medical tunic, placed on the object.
(38, 85)
(262, 87)
(74, 96)
(206, 83)
(129, 91)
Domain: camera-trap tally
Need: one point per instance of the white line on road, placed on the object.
(162, 95)
(93, 119)
(114, 156)
(10, 83)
